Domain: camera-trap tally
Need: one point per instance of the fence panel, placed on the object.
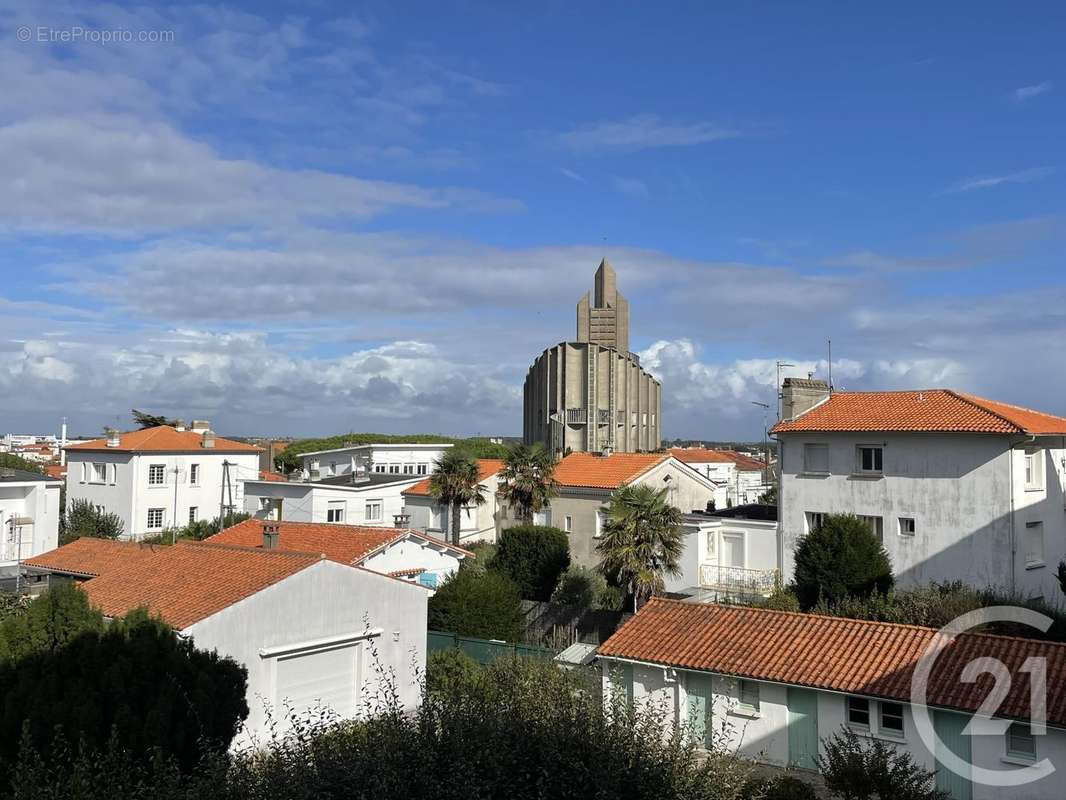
(484, 651)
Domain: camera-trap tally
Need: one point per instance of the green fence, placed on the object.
(484, 651)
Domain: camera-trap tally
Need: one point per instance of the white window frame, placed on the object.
(1034, 469)
(394, 469)
(853, 703)
(907, 526)
(194, 513)
(162, 472)
(423, 469)
(194, 474)
(98, 472)
(332, 507)
(381, 510)
(877, 525)
(815, 520)
(568, 523)
(159, 513)
(889, 732)
(1020, 732)
(1034, 556)
(811, 468)
(873, 469)
(752, 703)
(601, 520)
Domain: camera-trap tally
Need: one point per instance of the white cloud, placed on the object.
(1029, 92)
(990, 181)
(641, 132)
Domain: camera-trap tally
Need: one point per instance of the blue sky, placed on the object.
(321, 217)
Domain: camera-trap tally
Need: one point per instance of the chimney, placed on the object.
(401, 520)
(63, 444)
(605, 451)
(800, 395)
(209, 439)
(112, 437)
(271, 535)
(200, 425)
(179, 425)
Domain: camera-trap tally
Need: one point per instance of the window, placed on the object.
(265, 502)
(601, 520)
(194, 513)
(113, 471)
(335, 511)
(816, 458)
(906, 526)
(869, 459)
(876, 525)
(194, 474)
(644, 418)
(379, 468)
(814, 520)
(1034, 469)
(156, 474)
(891, 719)
(375, 511)
(1034, 544)
(859, 712)
(408, 469)
(749, 696)
(1020, 741)
(155, 519)
(99, 473)
(84, 472)
(712, 537)
(423, 469)
(394, 469)
(568, 523)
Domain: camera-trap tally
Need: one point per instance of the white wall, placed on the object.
(479, 523)
(401, 459)
(324, 600)
(703, 545)
(38, 500)
(688, 490)
(310, 502)
(415, 553)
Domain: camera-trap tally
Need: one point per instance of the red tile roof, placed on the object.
(164, 438)
(56, 470)
(926, 410)
(345, 544)
(588, 470)
(88, 557)
(266, 475)
(701, 455)
(486, 468)
(190, 581)
(843, 655)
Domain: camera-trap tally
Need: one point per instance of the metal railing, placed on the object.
(576, 415)
(736, 579)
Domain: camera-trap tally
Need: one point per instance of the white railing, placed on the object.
(736, 579)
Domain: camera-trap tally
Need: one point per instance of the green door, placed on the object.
(948, 729)
(803, 728)
(698, 689)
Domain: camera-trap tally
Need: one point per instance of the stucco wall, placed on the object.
(310, 502)
(38, 500)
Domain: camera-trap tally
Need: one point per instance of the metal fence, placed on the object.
(561, 626)
(484, 651)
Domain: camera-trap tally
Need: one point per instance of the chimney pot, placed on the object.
(112, 437)
(271, 536)
(209, 438)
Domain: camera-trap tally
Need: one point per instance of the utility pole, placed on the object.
(222, 507)
(174, 519)
(765, 446)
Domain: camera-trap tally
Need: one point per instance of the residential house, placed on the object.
(400, 552)
(29, 516)
(955, 486)
(161, 477)
(774, 686)
(380, 459)
(360, 498)
(477, 523)
(744, 478)
(313, 633)
(88, 557)
(729, 553)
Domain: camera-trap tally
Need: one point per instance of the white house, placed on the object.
(382, 459)
(161, 477)
(731, 553)
(307, 628)
(29, 516)
(957, 487)
(400, 552)
(478, 522)
(352, 498)
(742, 477)
(774, 686)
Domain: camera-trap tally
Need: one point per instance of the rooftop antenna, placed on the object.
(829, 342)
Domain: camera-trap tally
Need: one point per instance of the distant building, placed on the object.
(477, 522)
(29, 516)
(379, 459)
(591, 394)
(744, 477)
(371, 499)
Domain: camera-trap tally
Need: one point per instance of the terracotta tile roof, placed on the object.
(190, 581)
(588, 470)
(88, 557)
(486, 468)
(843, 655)
(345, 544)
(56, 471)
(701, 455)
(926, 410)
(164, 438)
(267, 475)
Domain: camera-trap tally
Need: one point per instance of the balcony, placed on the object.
(576, 416)
(737, 580)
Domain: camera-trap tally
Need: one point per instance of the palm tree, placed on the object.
(641, 541)
(455, 483)
(527, 480)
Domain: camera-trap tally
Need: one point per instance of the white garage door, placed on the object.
(326, 678)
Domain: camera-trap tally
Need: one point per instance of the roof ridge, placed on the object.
(251, 549)
(971, 401)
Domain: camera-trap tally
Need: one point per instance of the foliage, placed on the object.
(136, 680)
(1061, 575)
(782, 598)
(780, 787)
(15, 461)
(483, 552)
(854, 769)
(581, 587)
(533, 556)
(769, 496)
(841, 558)
(455, 482)
(85, 519)
(527, 481)
(46, 624)
(290, 458)
(12, 605)
(641, 541)
(146, 420)
(483, 604)
(448, 670)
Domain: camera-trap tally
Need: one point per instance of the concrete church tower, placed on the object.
(604, 319)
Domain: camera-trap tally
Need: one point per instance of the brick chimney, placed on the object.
(800, 395)
(271, 535)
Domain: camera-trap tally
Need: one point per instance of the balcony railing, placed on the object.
(736, 579)
(576, 416)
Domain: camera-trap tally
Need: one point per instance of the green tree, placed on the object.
(483, 604)
(448, 670)
(641, 541)
(854, 769)
(840, 558)
(85, 519)
(527, 481)
(533, 556)
(455, 483)
(581, 587)
(769, 496)
(13, 461)
(146, 420)
(48, 623)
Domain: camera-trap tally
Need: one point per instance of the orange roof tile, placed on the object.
(190, 581)
(56, 470)
(267, 475)
(926, 410)
(89, 557)
(842, 655)
(588, 470)
(164, 438)
(701, 455)
(486, 468)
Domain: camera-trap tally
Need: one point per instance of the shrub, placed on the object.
(483, 552)
(48, 623)
(534, 557)
(782, 598)
(482, 604)
(584, 588)
(448, 670)
(874, 770)
(841, 558)
(84, 519)
(780, 787)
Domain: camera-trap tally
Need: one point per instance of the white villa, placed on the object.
(352, 498)
(379, 459)
(29, 516)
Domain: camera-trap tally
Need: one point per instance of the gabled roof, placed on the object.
(876, 659)
(701, 455)
(486, 468)
(88, 557)
(345, 544)
(190, 581)
(591, 471)
(12, 475)
(926, 410)
(164, 438)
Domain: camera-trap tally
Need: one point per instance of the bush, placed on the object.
(782, 598)
(874, 770)
(581, 587)
(482, 604)
(534, 557)
(781, 787)
(841, 558)
(84, 519)
(447, 671)
(48, 623)
(483, 552)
